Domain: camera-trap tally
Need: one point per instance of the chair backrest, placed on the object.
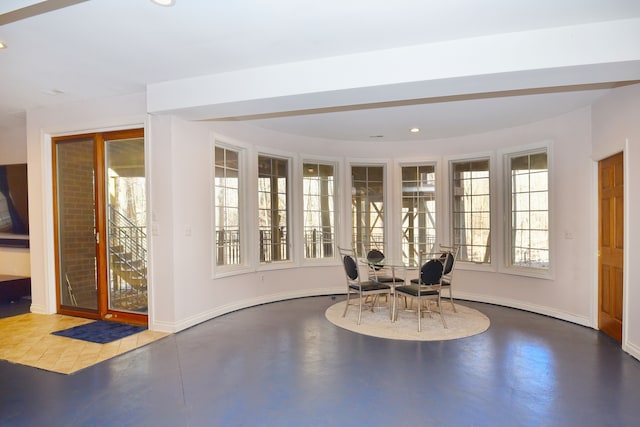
(375, 256)
(448, 258)
(447, 262)
(350, 267)
(350, 263)
(431, 272)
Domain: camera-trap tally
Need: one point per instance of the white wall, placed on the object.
(183, 289)
(12, 146)
(13, 149)
(15, 261)
(42, 124)
(181, 195)
(616, 127)
(567, 296)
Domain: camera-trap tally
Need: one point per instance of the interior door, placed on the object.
(611, 244)
(100, 225)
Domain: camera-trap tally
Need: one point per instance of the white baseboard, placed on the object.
(169, 327)
(38, 309)
(632, 349)
(238, 305)
(539, 309)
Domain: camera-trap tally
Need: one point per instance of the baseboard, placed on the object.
(632, 349)
(168, 327)
(38, 309)
(539, 309)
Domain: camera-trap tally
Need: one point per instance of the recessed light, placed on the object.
(164, 2)
(2, 45)
(414, 130)
(52, 92)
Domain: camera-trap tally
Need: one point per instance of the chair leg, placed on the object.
(451, 300)
(347, 304)
(419, 316)
(442, 315)
(374, 302)
(395, 309)
(360, 310)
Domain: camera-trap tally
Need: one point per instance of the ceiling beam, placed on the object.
(35, 9)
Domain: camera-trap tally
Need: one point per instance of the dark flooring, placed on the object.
(13, 308)
(284, 364)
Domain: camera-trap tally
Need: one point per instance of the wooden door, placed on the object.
(100, 228)
(610, 245)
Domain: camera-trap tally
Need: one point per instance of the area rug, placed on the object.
(100, 332)
(27, 339)
(465, 323)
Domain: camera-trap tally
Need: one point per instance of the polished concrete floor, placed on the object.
(283, 364)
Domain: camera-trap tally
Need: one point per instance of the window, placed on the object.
(529, 210)
(227, 207)
(471, 210)
(273, 208)
(367, 208)
(318, 183)
(418, 216)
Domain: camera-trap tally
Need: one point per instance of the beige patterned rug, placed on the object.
(26, 339)
(465, 323)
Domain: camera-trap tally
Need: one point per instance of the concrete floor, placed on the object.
(283, 364)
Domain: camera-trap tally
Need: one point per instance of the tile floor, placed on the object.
(27, 339)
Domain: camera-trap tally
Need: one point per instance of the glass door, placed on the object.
(100, 214)
(76, 225)
(126, 225)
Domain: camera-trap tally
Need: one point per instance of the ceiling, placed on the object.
(63, 51)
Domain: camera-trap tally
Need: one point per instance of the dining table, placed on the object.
(394, 265)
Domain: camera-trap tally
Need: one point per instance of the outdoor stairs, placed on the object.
(132, 271)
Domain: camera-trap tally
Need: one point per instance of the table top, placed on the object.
(399, 263)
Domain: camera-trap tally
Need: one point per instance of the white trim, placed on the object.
(397, 201)
(504, 265)
(173, 327)
(632, 349)
(594, 242)
(47, 202)
(38, 309)
(493, 205)
(299, 189)
(626, 279)
(522, 305)
(292, 246)
(226, 270)
(48, 225)
(387, 194)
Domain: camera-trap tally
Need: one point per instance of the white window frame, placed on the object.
(507, 155)
(291, 246)
(337, 205)
(385, 198)
(494, 208)
(232, 269)
(437, 198)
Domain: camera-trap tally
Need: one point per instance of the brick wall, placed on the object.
(76, 207)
